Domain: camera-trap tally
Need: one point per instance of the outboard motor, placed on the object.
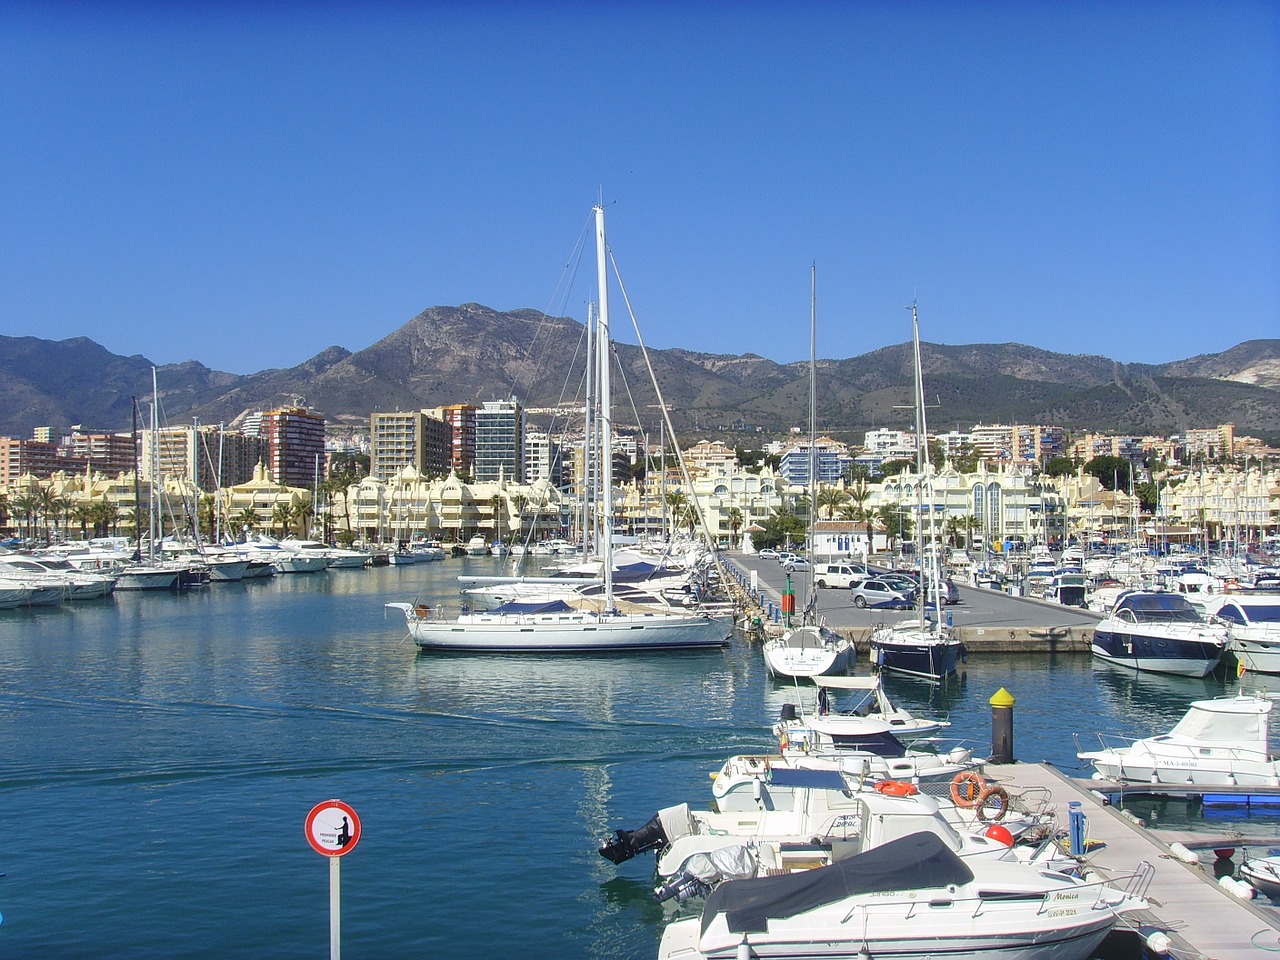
(668, 824)
(681, 888)
(627, 843)
(788, 712)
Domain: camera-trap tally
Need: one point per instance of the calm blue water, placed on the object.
(161, 753)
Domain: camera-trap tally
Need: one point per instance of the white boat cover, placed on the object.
(1236, 721)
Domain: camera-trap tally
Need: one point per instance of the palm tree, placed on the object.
(832, 498)
(283, 514)
(735, 523)
(677, 502)
(303, 513)
(246, 520)
(82, 515)
(26, 509)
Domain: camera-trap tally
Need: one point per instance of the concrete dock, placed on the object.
(1201, 918)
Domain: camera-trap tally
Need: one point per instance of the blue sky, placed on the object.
(245, 184)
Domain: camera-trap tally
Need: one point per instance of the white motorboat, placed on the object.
(50, 570)
(744, 781)
(831, 820)
(1263, 874)
(1252, 619)
(1220, 742)
(13, 593)
(341, 558)
(557, 626)
(825, 728)
(911, 898)
(477, 546)
(1161, 632)
(810, 648)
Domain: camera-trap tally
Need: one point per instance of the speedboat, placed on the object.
(832, 820)
(1161, 632)
(872, 713)
(1263, 873)
(1220, 742)
(911, 898)
(1253, 627)
(744, 781)
(808, 651)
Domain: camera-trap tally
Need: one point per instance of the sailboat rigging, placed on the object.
(928, 648)
(810, 649)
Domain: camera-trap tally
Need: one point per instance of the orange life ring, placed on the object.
(1001, 797)
(966, 787)
(896, 788)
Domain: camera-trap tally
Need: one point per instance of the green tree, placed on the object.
(783, 528)
(891, 468)
(1060, 466)
(245, 520)
(283, 515)
(1112, 472)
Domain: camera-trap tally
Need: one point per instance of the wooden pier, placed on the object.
(1201, 919)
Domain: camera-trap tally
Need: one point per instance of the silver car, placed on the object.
(875, 592)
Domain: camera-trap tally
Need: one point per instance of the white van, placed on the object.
(841, 576)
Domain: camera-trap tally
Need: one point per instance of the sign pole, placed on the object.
(333, 830)
(335, 908)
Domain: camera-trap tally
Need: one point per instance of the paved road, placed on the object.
(978, 607)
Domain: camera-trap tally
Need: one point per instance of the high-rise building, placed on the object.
(414, 438)
(499, 441)
(206, 455)
(295, 445)
(461, 418)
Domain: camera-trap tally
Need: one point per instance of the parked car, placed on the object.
(948, 591)
(877, 592)
(768, 553)
(796, 564)
(785, 556)
(842, 576)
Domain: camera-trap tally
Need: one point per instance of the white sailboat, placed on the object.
(811, 649)
(557, 626)
(927, 648)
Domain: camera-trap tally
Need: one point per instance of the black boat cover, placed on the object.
(790, 777)
(918, 861)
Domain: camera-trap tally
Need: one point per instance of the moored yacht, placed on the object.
(1160, 632)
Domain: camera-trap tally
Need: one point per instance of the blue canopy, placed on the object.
(547, 606)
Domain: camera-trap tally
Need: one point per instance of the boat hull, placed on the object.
(929, 657)
(576, 632)
(1182, 653)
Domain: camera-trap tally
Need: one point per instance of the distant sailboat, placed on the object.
(557, 626)
(927, 648)
(811, 649)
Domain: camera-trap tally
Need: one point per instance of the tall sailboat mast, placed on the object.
(605, 424)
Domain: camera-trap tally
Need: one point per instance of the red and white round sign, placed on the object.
(332, 828)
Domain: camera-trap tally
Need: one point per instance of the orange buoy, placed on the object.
(896, 788)
(966, 787)
(1001, 798)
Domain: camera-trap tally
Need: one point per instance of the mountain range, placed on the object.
(471, 353)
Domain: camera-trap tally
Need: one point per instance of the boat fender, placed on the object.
(1159, 942)
(1245, 890)
(999, 834)
(967, 787)
(993, 795)
(896, 788)
(1183, 853)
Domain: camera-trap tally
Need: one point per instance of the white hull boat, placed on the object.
(1252, 620)
(1221, 742)
(810, 651)
(872, 714)
(910, 899)
(557, 627)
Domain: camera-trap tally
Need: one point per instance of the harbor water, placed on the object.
(161, 752)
